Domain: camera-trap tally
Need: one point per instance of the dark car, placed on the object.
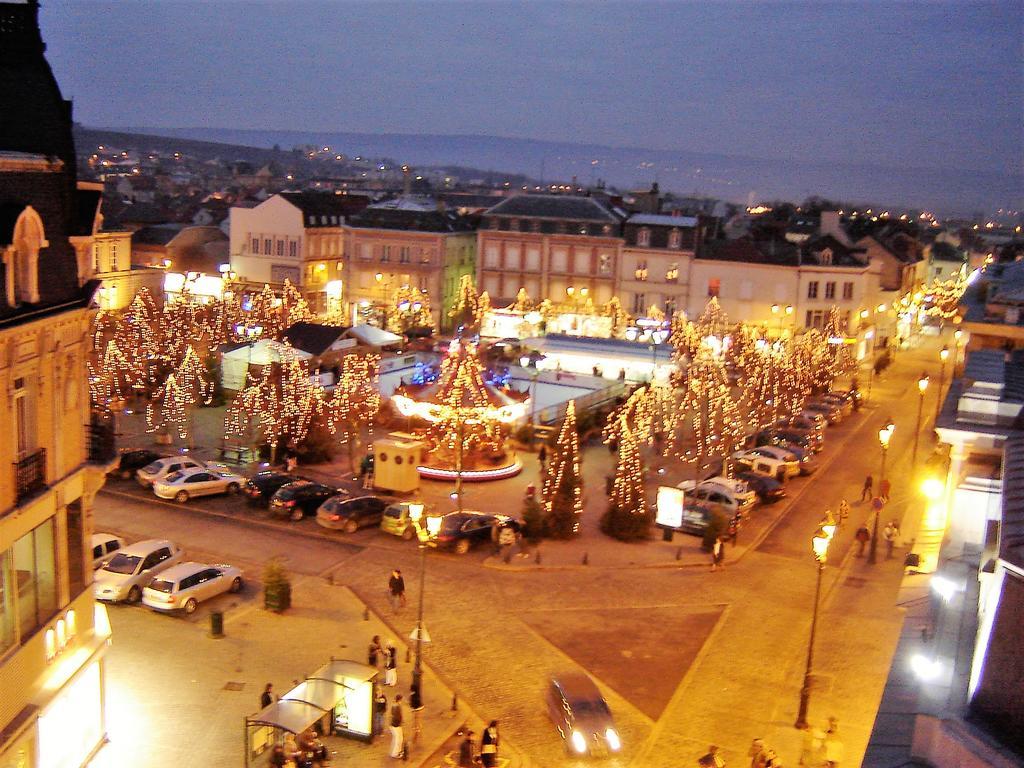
(461, 530)
(262, 486)
(582, 716)
(134, 460)
(350, 514)
(802, 423)
(768, 489)
(698, 516)
(788, 437)
(301, 498)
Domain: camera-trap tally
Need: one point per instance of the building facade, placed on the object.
(656, 262)
(52, 636)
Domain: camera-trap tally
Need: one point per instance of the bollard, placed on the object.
(455, 701)
(508, 555)
(586, 558)
(366, 614)
(679, 553)
(217, 624)
(408, 657)
(537, 559)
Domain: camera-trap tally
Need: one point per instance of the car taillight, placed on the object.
(288, 503)
(335, 518)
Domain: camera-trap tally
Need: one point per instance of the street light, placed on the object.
(957, 335)
(819, 545)
(922, 385)
(527, 362)
(943, 357)
(419, 634)
(782, 312)
(884, 436)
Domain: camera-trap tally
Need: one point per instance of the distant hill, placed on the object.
(731, 177)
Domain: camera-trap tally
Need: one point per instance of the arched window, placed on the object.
(22, 261)
(643, 237)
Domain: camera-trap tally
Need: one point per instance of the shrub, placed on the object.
(277, 587)
(626, 525)
(533, 519)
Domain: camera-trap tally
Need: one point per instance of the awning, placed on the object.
(373, 336)
(324, 694)
(293, 716)
(342, 670)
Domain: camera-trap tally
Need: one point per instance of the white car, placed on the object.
(766, 465)
(104, 545)
(160, 468)
(186, 585)
(786, 456)
(740, 497)
(182, 486)
(132, 568)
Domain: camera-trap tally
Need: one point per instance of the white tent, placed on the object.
(372, 336)
(235, 362)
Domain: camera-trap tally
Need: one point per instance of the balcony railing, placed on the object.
(101, 444)
(30, 475)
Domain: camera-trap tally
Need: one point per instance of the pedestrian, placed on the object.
(756, 753)
(374, 652)
(889, 534)
(542, 454)
(278, 759)
(416, 705)
(397, 736)
(844, 512)
(489, 745)
(883, 489)
(466, 757)
(771, 759)
(717, 552)
(734, 528)
(863, 536)
(290, 462)
(810, 747)
(712, 759)
(390, 665)
(869, 486)
(267, 697)
(380, 710)
(396, 590)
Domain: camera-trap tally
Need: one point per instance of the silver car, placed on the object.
(132, 568)
(160, 468)
(184, 586)
(182, 486)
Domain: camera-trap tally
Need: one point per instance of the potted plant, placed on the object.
(277, 587)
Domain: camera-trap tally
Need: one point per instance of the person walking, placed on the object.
(712, 759)
(542, 455)
(863, 536)
(868, 489)
(390, 665)
(380, 710)
(883, 489)
(396, 590)
(467, 758)
(718, 553)
(374, 652)
(489, 745)
(889, 534)
(844, 513)
(267, 697)
(397, 736)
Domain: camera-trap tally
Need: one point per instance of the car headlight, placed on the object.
(612, 737)
(579, 742)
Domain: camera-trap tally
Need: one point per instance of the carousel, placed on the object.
(463, 420)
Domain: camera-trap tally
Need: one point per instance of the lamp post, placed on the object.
(416, 515)
(884, 436)
(943, 357)
(922, 385)
(819, 545)
(527, 361)
(782, 312)
(957, 335)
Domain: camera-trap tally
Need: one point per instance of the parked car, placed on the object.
(300, 499)
(832, 412)
(104, 545)
(845, 404)
(262, 486)
(397, 522)
(132, 461)
(182, 486)
(793, 458)
(131, 568)
(804, 423)
(730, 494)
(460, 531)
(582, 716)
(855, 396)
(787, 437)
(808, 461)
(159, 469)
(697, 516)
(350, 514)
(767, 464)
(185, 585)
(818, 417)
(768, 489)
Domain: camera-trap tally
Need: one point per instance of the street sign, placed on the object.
(877, 503)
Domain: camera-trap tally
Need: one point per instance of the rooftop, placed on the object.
(553, 207)
(658, 220)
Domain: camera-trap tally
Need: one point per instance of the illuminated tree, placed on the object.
(188, 386)
(562, 484)
(650, 413)
(942, 297)
(627, 517)
(523, 301)
(619, 316)
(410, 309)
(110, 381)
(292, 307)
(136, 337)
(263, 320)
(466, 311)
(712, 425)
(355, 400)
(839, 354)
(713, 321)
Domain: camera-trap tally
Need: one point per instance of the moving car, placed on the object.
(581, 715)
(182, 486)
(262, 486)
(460, 531)
(766, 464)
(732, 495)
(185, 585)
(349, 515)
(104, 545)
(397, 522)
(768, 489)
(159, 469)
(132, 568)
(300, 499)
(132, 461)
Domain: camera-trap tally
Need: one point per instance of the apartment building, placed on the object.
(564, 248)
(656, 262)
(52, 636)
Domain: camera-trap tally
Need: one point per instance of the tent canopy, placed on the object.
(342, 670)
(293, 716)
(373, 336)
(263, 352)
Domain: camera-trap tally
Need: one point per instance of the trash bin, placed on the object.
(217, 624)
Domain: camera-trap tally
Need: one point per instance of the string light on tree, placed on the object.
(627, 517)
(355, 400)
(562, 483)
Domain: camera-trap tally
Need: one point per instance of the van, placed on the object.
(104, 545)
(787, 456)
(132, 568)
(765, 465)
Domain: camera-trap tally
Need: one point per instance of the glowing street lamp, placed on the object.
(884, 436)
(819, 546)
(922, 385)
(419, 634)
(943, 357)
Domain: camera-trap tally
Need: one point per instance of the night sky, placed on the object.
(911, 85)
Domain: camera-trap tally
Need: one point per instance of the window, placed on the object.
(815, 319)
(323, 218)
(606, 229)
(581, 228)
(847, 291)
(255, 245)
(514, 225)
(830, 290)
(604, 263)
(812, 289)
(494, 223)
(113, 257)
(672, 273)
(643, 237)
(8, 615)
(266, 246)
(95, 258)
(675, 239)
(312, 220)
(36, 578)
(825, 257)
(640, 273)
(280, 247)
(403, 254)
(293, 249)
(639, 304)
(714, 287)
(78, 565)
(535, 225)
(385, 253)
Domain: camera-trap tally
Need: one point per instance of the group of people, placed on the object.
(305, 751)
(485, 753)
(384, 656)
(819, 749)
